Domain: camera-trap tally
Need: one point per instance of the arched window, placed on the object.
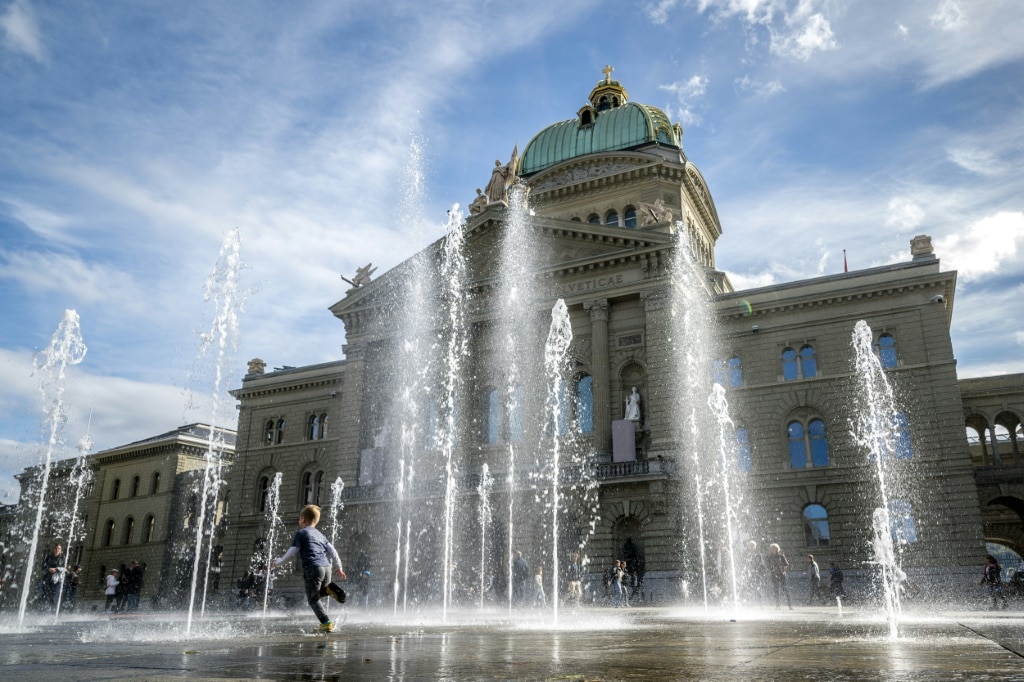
(816, 531)
(313, 427)
(154, 486)
(149, 528)
(901, 432)
(594, 219)
(115, 489)
(263, 493)
(629, 217)
(808, 365)
(318, 486)
(108, 533)
(323, 425)
(134, 492)
(129, 530)
(564, 403)
(585, 404)
(789, 368)
(887, 350)
(808, 444)
(611, 218)
(280, 431)
(718, 371)
(307, 488)
(802, 366)
(901, 522)
(268, 435)
(744, 460)
(735, 372)
(493, 434)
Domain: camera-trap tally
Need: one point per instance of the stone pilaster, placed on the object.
(599, 369)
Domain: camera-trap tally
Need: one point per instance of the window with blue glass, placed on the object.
(797, 446)
(808, 444)
(630, 217)
(612, 218)
(744, 461)
(585, 404)
(816, 532)
(901, 522)
(887, 350)
(594, 219)
(718, 372)
(901, 434)
(819, 443)
(735, 372)
(808, 364)
(789, 366)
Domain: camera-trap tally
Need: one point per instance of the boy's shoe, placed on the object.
(335, 591)
(327, 627)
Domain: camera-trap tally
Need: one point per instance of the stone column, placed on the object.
(599, 372)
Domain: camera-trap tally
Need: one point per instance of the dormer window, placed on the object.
(586, 118)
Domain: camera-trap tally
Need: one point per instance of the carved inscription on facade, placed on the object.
(592, 284)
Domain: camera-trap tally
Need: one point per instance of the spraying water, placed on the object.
(66, 348)
(718, 489)
(273, 522)
(453, 280)
(484, 492)
(559, 338)
(876, 428)
(222, 294)
(516, 271)
(81, 481)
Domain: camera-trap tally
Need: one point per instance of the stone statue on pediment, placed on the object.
(478, 204)
(363, 276)
(652, 214)
(501, 177)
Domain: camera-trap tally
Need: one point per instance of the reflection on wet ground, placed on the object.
(589, 644)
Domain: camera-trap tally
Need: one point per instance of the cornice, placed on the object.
(815, 301)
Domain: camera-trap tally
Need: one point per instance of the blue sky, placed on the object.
(135, 136)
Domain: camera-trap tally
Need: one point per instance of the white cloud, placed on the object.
(41, 272)
(985, 247)
(805, 36)
(688, 93)
(976, 160)
(20, 31)
(904, 214)
(658, 11)
(948, 16)
(1020, 338)
(760, 88)
(741, 282)
(901, 29)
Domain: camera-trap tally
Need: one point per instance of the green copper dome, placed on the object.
(626, 126)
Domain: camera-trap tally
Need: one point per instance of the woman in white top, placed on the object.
(111, 591)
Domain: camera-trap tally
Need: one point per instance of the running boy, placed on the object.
(318, 557)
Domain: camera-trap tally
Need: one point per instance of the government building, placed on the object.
(613, 201)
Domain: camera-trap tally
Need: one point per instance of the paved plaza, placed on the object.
(589, 644)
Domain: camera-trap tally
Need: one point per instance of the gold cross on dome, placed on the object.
(607, 71)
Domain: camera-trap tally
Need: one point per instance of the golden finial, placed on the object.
(607, 71)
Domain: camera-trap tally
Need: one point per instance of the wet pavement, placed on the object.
(588, 644)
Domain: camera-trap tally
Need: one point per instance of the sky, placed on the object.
(136, 138)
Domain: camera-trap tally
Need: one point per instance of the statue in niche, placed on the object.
(652, 214)
(478, 204)
(633, 406)
(362, 276)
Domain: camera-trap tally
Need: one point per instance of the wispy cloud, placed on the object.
(760, 88)
(986, 246)
(21, 31)
(689, 94)
(949, 16)
(904, 214)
